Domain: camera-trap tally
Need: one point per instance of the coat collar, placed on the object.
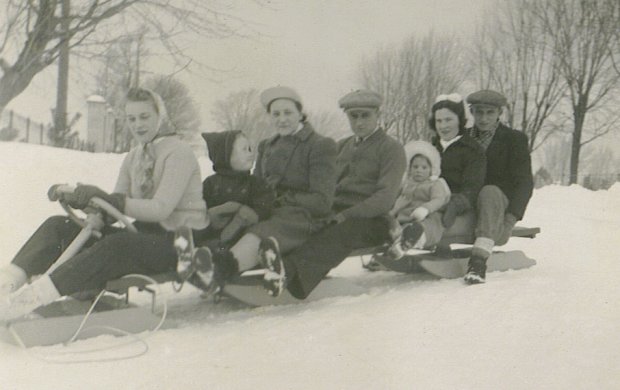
(302, 135)
(376, 134)
(465, 140)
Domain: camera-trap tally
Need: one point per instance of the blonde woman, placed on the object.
(159, 185)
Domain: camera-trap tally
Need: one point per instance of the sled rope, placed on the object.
(135, 338)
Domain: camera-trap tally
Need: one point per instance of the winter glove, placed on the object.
(53, 194)
(420, 213)
(84, 193)
(222, 214)
(457, 205)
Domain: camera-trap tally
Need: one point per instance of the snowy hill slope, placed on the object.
(554, 326)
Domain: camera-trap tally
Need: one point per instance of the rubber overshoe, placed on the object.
(476, 271)
(204, 275)
(184, 245)
(412, 235)
(270, 258)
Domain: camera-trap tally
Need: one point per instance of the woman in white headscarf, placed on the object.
(159, 185)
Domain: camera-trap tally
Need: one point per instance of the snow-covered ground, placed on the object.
(553, 326)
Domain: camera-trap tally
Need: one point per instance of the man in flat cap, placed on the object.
(509, 182)
(370, 166)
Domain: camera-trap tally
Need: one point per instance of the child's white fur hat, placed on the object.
(426, 149)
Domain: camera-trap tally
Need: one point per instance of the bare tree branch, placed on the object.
(30, 38)
(410, 77)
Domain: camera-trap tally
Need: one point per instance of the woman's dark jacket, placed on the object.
(463, 167)
(509, 167)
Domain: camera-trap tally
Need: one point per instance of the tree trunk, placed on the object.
(579, 117)
(11, 85)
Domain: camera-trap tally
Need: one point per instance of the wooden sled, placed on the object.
(249, 290)
(456, 266)
(447, 263)
(60, 321)
(248, 287)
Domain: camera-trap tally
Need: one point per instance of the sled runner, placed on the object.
(455, 267)
(249, 290)
(450, 264)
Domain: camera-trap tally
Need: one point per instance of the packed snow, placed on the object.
(553, 326)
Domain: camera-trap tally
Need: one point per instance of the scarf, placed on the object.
(483, 137)
(146, 151)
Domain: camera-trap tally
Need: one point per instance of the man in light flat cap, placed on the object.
(509, 182)
(370, 166)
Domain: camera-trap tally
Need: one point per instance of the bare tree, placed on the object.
(182, 111)
(113, 78)
(410, 76)
(31, 37)
(329, 123)
(554, 156)
(511, 54)
(242, 111)
(600, 167)
(583, 36)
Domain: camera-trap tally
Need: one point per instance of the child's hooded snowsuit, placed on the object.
(227, 185)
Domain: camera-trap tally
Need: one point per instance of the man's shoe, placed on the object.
(184, 245)
(270, 258)
(476, 270)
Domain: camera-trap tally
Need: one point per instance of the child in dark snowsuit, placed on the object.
(235, 198)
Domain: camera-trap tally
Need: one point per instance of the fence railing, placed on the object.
(16, 127)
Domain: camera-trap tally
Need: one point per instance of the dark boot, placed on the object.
(476, 271)
(213, 269)
(203, 270)
(226, 266)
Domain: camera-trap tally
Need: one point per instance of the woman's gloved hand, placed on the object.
(84, 193)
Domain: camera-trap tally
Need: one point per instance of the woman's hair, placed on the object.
(137, 94)
(298, 105)
(142, 95)
(456, 107)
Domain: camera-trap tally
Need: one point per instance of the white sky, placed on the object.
(312, 46)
